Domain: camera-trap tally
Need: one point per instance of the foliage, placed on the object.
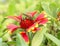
(48, 36)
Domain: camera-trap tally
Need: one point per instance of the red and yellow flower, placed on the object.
(28, 24)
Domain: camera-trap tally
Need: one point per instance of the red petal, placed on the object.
(12, 27)
(32, 13)
(40, 16)
(17, 18)
(25, 36)
(43, 21)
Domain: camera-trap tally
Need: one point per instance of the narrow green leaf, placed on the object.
(38, 38)
(54, 39)
(20, 41)
(0, 41)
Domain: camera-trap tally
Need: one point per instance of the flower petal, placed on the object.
(12, 28)
(31, 14)
(17, 18)
(25, 36)
(43, 21)
(41, 15)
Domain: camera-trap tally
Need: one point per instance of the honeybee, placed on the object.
(58, 16)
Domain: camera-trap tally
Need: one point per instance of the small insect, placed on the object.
(58, 16)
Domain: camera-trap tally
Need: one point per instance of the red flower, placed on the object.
(28, 24)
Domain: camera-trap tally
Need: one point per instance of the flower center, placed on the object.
(26, 23)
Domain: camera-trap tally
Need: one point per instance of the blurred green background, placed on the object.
(16, 7)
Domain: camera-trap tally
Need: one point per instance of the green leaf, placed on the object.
(45, 6)
(5, 44)
(6, 36)
(0, 41)
(54, 9)
(54, 39)
(58, 35)
(20, 41)
(11, 43)
(38, 38)
(51, 8)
